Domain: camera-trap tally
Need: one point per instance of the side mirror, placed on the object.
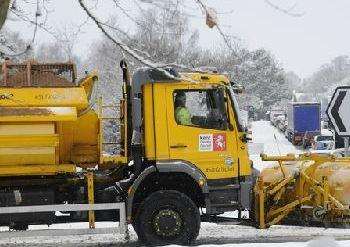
(245, 138)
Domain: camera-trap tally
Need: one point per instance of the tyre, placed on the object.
(167, 217)
(19, 227)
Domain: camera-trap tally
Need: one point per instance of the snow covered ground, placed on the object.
(215, 234)
(269, 140)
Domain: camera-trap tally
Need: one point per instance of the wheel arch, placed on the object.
(164, 174)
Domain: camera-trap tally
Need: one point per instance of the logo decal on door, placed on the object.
(212, 142)
(205, 143)
(219, 142)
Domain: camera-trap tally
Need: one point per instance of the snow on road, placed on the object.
(269, 140)
(217, 234)
(273, 140)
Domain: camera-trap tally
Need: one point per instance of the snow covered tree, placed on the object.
(257, 70)
(105, 58)
(293, 81)
(163, 35)
(61, 49)
(13, 46)
(160, 36)
(167, 41)
(329, 74)
(262, 77)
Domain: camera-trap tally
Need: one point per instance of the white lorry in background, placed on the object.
(323, 142)
(274, 114)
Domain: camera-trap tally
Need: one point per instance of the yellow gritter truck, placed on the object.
(51, 136)
(181, 148)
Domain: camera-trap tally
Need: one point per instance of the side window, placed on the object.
(201, 108)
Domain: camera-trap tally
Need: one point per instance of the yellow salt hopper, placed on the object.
(46, 131)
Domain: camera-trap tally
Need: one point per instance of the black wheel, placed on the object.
(19, 227)
(167, 217)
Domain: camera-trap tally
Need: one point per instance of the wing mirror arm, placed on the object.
(245, 138)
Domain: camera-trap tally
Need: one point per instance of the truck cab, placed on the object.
(193, 145)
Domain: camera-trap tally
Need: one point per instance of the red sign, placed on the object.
(219, 142)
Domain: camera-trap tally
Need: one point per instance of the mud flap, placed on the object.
(246, 195)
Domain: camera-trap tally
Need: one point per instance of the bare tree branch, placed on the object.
(289, 11)
(226, 38)
(131, 52)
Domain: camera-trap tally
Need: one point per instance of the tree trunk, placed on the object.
(4, 7)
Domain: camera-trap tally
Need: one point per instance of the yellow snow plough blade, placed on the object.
(304, 189)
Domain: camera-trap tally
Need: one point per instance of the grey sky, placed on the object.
(301, 44)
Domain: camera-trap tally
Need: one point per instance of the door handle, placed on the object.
(178, 145)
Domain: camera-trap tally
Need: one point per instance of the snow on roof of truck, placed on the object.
(149, 75)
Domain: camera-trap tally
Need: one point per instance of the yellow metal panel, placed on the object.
(27, 155)
(28, 143)
(88, 83)
(110, 161)
(65, 131)
(37, 170)
(11, 129)
(161, 127)
(26, 150)
(78, 140)
(28, 140)
(86, 129)
(84, 154)
(242, 147)
(148, 122)
(100, 129)
(33, 114)
(85, 139)
(69, 97)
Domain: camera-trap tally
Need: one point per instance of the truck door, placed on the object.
(200, 131)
